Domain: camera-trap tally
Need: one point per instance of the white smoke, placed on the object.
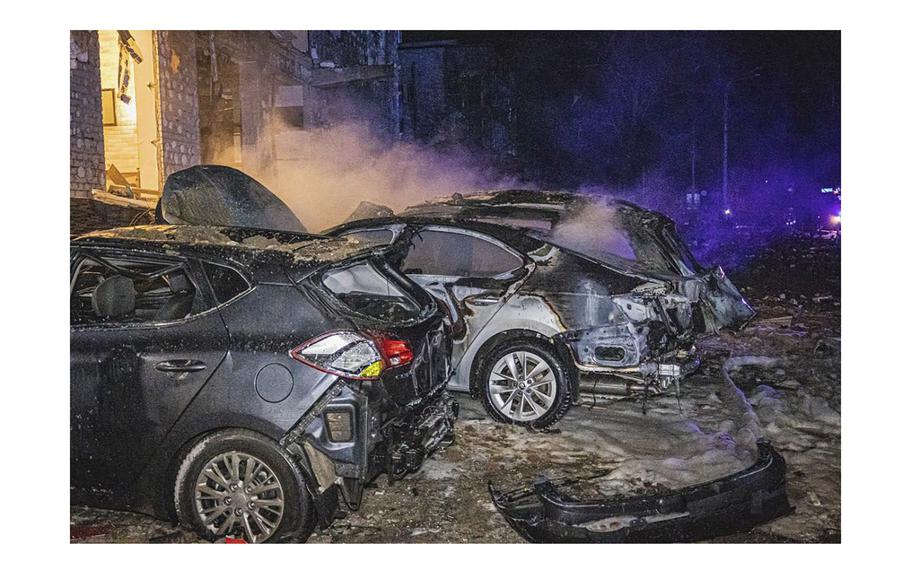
(322, 174)
(593, 231)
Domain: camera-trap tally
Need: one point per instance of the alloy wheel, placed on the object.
(522, 386)
(237, 494)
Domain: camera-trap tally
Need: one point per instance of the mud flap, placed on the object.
(736, 503)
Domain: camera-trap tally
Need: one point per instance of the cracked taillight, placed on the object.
(344, 353)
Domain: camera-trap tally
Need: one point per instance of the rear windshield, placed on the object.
(367, 291)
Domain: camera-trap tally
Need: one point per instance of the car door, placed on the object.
(135, 362)
(472, 273)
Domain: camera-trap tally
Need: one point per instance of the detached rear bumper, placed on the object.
(724, 506)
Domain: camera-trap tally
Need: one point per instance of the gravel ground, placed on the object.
(779, 377)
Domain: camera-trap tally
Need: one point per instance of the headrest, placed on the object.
(179, 283)
(114, 297)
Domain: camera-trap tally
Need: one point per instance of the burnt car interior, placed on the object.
(108, 290)
(364, 290)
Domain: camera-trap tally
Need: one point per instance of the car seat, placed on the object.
(181, 304)
(114, 297)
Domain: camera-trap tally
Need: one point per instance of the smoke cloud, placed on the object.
(593, 231)
(322, 174)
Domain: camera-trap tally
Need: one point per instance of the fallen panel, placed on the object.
(731, 504)
(223, 197)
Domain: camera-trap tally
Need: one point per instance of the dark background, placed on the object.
(632, 112)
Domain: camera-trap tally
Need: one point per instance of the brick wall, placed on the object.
(90, 215)
(180, 143)
(267, 60)
(86, 131)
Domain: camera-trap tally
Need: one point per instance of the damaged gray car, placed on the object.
(558, 297)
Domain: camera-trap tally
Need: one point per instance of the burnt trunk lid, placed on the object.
(662, 255)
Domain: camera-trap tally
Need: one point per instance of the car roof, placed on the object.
(525, 200)
(295, 248)
(516, 238)
(480, 211)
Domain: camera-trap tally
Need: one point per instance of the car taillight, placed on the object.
(343, 353)
(397, 351)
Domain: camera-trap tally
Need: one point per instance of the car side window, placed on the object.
(226, 282)
(377, 236)
(111, 289)
(445, 253)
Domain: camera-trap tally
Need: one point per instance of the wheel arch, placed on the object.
(296, 461)
(160, 478)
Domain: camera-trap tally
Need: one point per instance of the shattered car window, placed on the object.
(377, 236)
(616, 234)
(365, 290)
(226, 282)
(446, 253)
(109, 290)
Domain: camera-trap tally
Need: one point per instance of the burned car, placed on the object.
(557, 296)
(248, 382)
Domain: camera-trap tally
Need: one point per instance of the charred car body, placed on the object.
(555, 296)
(248, 381)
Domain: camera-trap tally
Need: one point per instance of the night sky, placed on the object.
(627, 110)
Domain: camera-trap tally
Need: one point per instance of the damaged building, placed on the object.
(457, 92)
(145, 104)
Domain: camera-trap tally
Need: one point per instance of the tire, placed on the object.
(542, 402)
(270, 505)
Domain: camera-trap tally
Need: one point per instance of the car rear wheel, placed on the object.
(239, 484)
(524, 383)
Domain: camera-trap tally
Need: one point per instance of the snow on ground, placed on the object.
(796, 397)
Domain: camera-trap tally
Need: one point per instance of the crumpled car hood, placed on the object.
(225, 197)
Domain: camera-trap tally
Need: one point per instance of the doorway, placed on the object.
(129, 91)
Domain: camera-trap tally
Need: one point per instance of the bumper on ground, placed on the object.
(735, 503)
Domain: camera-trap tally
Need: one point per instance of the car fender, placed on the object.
(526, 312)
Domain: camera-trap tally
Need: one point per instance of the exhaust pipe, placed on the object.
(600, 385)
